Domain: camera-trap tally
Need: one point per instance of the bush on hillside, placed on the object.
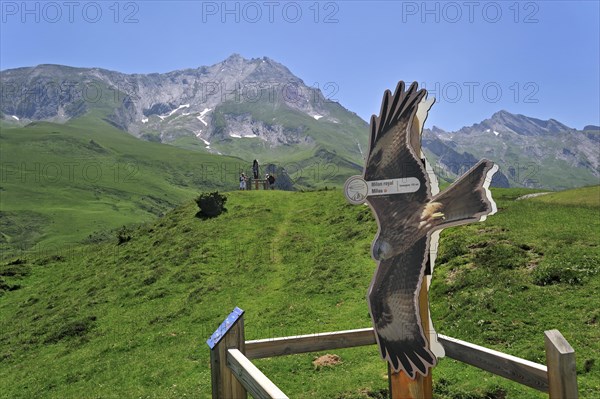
(211, 204)
(123, 235)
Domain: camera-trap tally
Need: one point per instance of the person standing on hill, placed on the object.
(271, 180)
(242, 181)
(255, 169)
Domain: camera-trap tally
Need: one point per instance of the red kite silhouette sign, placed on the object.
(402, 191)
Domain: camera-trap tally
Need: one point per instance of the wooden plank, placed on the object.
(262, 182)
(235, 339)
(400, 385)
(425, 383)
(513, 368)
(562, 372)
(255, 382)
(215, 373)
(224, 384)
(270, 347)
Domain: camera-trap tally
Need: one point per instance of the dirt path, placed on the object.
(531, 196)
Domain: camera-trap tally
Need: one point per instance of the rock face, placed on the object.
(282, 180)
(530, 152)
(450, 163)
(257, 108)
(258, 101)
(518, 124)
(245, 126)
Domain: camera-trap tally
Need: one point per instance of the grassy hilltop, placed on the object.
(130, 321)
(60, 182)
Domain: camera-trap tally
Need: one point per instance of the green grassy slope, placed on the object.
(61, 182)
(532, 267)
(130, 320)
(589, 196)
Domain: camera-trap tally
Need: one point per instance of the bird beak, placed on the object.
(438, 215)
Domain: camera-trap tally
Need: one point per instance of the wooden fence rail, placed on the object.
(255, 382)
(258, 184)
(558, 377)
(270, 347)
(514, 368)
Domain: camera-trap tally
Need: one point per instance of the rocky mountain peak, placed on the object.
(527, 149)
(234, 60)
(235, 57)
(437, 130)
(505, 121)
(220, 108)
(502, 114)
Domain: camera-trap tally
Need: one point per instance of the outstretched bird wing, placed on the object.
(391, 155)
(394, 290)
(468, 199)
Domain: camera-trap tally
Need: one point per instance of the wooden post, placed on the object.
(224, 383)
(401, 386)
(562, 372)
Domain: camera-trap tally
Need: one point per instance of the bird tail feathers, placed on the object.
(410, 356)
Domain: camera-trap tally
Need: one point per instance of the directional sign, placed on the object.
(224, 327)
(357, 189)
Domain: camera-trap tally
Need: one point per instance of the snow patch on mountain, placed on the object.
(201, 116)
(242, 136)
(163, 117)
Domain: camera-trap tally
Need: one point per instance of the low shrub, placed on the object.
(210, 204)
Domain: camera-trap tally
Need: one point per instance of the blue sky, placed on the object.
(538, 58)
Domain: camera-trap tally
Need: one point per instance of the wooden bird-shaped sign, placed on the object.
(396, 185)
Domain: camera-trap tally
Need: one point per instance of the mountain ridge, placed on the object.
(257, 108)
(204, 104)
